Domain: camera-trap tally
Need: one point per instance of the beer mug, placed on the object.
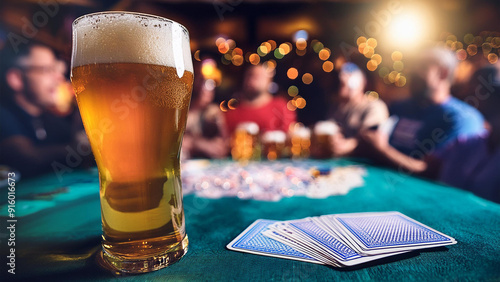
(245, 142)
(273, 144)
(300, 142)
(132, 75)
(322, 132)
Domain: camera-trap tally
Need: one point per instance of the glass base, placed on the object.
(142, 265)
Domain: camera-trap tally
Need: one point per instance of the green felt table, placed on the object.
(58, 237)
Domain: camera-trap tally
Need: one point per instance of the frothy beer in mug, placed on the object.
(133, 76)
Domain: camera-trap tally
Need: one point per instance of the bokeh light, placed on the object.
(327, 66)
(324, 54)
(285, 47)
(317, 46)
(400, 81)
(368, 51)
(237, 60)
(219, 41)
(254, 59)
(492, 58)
(292, 73)
(291, 105)
(270, 65)
(279, 53)
(300, 102)
(223, 47)
(197, 55)
(377, 58)
(383, 72)
(372, 42)
(300, 34)
(232, 104)
(307, 78)
(408, 28)
(237, 51)
(262, 50)
(361, 40)
(301, 44)
(468, 38)
(293, 91)
(372, 95)
(300, 52)
(472, 49)
(397, 56)
(398, 66)
(231, 43)
(461, 54)
(273, 44)
(223, 106)
(371, 65)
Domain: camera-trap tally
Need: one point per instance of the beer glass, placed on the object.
(323, 131)
(300, 142)
(133, 75)
(245, 142)
(273, 144)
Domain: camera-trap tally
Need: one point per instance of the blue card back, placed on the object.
(390, 230)
(252, 240)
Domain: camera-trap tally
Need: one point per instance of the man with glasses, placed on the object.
(32, 139)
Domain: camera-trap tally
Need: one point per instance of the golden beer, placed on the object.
(323, 131)
(273, 144)
(134, 111)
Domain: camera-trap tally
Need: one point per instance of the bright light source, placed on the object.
(407, 29)
(300, 34)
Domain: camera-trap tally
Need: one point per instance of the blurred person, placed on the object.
(473, 163)
(428, 121)
(353, 111)
(206, 134)
(32, 139)
(257, 104)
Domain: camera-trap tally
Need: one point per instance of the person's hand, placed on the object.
(375, 139)
(341, 146)
(216, 148)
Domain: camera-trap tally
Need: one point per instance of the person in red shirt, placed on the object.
(258, 105)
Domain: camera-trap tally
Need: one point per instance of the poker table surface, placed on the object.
(58, 230)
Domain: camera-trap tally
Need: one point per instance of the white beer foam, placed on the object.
(277, 136)
(121, 37)
(326, 128)
(302, 132)
(250, 127)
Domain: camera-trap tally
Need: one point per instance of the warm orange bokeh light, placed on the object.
(292, 73)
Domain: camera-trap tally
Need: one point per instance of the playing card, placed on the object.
(379, 233)
(300, 246)
(320, 240)
(251, 240)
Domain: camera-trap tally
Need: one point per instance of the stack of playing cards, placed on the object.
(339, 240)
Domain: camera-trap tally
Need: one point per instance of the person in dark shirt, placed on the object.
(427, 122)
(32, 139)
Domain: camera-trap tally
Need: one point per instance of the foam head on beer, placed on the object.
(251, 128)
(102, 38)
(276, 136)
(326, 128)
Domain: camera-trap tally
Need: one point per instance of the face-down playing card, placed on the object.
(378, 233)
(251, 240)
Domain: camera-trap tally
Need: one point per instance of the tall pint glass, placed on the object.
(132, 74)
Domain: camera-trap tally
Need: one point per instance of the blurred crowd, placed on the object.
(432, 133)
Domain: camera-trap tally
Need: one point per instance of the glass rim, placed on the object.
(75, 22)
